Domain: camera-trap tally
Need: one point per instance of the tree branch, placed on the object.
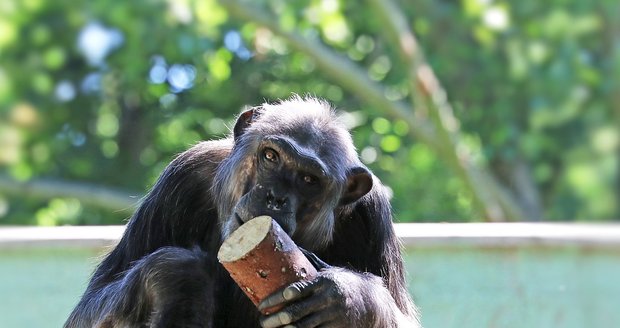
(117, 201)
(335, 67)
(489, 196)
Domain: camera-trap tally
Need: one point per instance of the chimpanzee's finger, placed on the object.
(294, 291)
(309, 312)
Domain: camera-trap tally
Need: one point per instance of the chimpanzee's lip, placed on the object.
(238, 218)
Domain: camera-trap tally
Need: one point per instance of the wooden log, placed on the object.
(261, 258)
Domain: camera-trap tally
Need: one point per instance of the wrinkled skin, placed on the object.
(332, 300)
(320, 302)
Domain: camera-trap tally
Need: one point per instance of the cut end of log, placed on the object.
(261, 258)
(244, 239)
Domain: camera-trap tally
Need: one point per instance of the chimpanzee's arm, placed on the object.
(168, 288)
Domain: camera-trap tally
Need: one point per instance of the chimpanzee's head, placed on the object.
(294, 162)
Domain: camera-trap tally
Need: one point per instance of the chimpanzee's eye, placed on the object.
(270, 155)
(310, 179)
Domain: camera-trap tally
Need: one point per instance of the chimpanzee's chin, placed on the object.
(287, 227)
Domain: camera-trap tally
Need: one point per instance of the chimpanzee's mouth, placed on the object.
(238, 218)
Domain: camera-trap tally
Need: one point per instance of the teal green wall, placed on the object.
(454, 287)
(524, 287)
(38, 287)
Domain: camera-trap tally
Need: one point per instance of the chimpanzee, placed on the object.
(294, 161)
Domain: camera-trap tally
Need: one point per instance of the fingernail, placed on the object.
(289, 294)
(277, 320)
(266, 303)
(285, 317)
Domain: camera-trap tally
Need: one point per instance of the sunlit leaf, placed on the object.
(381, 125)
(390, 143)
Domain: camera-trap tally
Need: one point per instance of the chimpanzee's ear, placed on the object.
(243, 122)
(359, 183)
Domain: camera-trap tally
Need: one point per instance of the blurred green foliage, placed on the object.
(107, 92)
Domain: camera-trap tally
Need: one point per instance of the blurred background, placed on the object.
(469, 111)
(102, 95)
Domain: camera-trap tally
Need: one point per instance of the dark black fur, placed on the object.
(163, 272)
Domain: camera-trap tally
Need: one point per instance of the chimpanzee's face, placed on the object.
(292, 184)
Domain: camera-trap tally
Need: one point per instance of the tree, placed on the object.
(524, 127)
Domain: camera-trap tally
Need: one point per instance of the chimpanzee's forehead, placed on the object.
(318, 134)
(313, 124)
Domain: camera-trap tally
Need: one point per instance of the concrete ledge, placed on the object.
(509, 234)
(411, 234)
(70, 236)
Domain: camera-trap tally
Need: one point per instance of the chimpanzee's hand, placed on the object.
(333, 299)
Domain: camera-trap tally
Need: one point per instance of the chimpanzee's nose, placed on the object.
(275, 202)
